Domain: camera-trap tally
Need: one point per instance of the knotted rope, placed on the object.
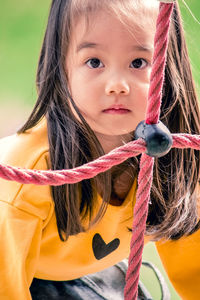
(120, 154)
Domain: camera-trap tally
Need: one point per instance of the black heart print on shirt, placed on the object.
(101, 249)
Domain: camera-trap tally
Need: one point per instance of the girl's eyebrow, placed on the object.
(85, 45)
(143, 48)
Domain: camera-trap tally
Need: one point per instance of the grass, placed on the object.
(148, 278)
(22, 27)
(192, 36)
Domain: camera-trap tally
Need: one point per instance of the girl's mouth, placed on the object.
(117, 110)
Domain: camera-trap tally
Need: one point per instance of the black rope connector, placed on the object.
(157, 137)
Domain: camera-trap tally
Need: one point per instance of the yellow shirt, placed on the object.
(29, 242)
(30, 245)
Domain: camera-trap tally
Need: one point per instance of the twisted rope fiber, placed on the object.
(139, 226)
(86, 171)
(146, 164)
(158, 67)
(118, 155)
(91, 169)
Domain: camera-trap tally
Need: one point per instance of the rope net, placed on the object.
(118, 155)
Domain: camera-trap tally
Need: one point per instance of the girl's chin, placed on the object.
(110, 142)
(119, 135)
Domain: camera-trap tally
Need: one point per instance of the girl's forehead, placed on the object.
(138, 10)
(127, 11)
(117, 6)
(137, 21)
(108, 33)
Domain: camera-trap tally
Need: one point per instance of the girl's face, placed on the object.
(108, 66)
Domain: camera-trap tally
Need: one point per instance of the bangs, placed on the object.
(128, 12)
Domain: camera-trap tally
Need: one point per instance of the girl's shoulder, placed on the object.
(197, 191)
(22, 149)
(27, 150)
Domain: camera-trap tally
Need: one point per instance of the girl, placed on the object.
(92, 81)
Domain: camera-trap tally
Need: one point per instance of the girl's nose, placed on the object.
(117, 86)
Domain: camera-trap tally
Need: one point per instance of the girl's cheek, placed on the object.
(147, 75)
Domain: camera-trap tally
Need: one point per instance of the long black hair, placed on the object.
(173, 212)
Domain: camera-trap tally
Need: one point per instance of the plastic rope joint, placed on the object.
(157, 137)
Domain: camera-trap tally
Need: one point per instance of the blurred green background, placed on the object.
(22, 25)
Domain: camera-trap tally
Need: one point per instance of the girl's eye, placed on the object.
(139, 63)
(94, 63)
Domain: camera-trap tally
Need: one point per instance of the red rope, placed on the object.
(146, 165)
(86, 171)
(120, 154)
(158, 65)
(91, 169)
(139, 226)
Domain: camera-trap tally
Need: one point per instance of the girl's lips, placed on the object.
(116, 111)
